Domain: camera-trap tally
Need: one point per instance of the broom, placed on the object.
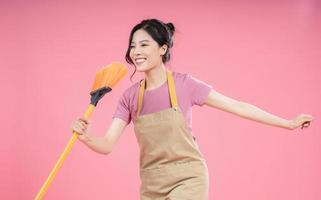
(105, 80)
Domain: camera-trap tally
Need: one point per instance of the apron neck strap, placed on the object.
(171, 87)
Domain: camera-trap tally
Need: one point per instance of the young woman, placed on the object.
(171, 165)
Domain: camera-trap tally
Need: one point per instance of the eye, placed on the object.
(143, 45)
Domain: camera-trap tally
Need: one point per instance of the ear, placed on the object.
(163, 49)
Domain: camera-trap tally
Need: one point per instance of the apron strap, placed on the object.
(171, 87)
(172, 90)
(140, 96)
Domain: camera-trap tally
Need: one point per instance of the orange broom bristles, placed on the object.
(109, 76)
(106, 79)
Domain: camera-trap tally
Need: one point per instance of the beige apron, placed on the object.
(171, 165)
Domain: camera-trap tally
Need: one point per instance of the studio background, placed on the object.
(266, 53)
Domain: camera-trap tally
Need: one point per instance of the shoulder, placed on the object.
(130, 92)
(185, 78)
(189, 81)
(181, 77)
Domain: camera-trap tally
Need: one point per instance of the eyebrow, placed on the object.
(142, 41)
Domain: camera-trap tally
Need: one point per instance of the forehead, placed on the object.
(141, 36)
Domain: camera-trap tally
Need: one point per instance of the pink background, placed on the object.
(266, 53)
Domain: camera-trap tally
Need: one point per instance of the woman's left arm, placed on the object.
(249, 111)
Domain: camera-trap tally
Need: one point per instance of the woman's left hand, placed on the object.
(302, 120)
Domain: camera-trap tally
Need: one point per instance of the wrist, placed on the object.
(290, 125)
(86, 139)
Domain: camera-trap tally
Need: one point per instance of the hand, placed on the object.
(81, 127)
(302, 120)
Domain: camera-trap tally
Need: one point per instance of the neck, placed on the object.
(155, 77)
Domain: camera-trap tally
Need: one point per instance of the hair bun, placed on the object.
(171, 27)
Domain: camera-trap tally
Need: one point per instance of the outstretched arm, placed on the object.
(249, 111)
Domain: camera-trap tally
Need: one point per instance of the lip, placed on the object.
(139, 58)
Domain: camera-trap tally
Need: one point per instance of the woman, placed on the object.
(171, 165)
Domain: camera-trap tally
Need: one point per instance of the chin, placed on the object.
(143, 68)
(140, 69)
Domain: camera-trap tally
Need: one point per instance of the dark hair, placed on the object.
(161, 32)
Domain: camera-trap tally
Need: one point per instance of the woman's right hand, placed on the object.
(81, 127)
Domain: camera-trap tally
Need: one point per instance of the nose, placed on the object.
(137, 51)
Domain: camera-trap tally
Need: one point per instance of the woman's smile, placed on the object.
(139, 61)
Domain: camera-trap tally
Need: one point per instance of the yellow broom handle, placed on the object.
(62, 157)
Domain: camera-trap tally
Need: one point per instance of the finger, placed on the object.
(74, 127)
(80, 132)
(309, 117)
(77, 131)
(81, 122)
(81, 125)
(305, 125)
(84, 120)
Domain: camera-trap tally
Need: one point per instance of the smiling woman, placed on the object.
(176, 168)
(171, 163)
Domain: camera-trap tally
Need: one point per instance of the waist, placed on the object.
(177, 163)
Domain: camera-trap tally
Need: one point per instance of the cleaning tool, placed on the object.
(105, 80)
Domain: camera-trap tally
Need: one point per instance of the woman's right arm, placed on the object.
(102, 145)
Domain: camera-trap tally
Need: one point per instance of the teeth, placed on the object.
(140, 60)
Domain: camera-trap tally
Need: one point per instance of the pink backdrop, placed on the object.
(264, 53)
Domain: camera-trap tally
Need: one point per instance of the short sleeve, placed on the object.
(122, 109)
(198, 90)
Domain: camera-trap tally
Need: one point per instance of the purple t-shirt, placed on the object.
(189, 90)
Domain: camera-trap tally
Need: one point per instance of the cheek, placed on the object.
(131, 55)
(155, 55)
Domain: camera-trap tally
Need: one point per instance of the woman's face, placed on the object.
(145, 51)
